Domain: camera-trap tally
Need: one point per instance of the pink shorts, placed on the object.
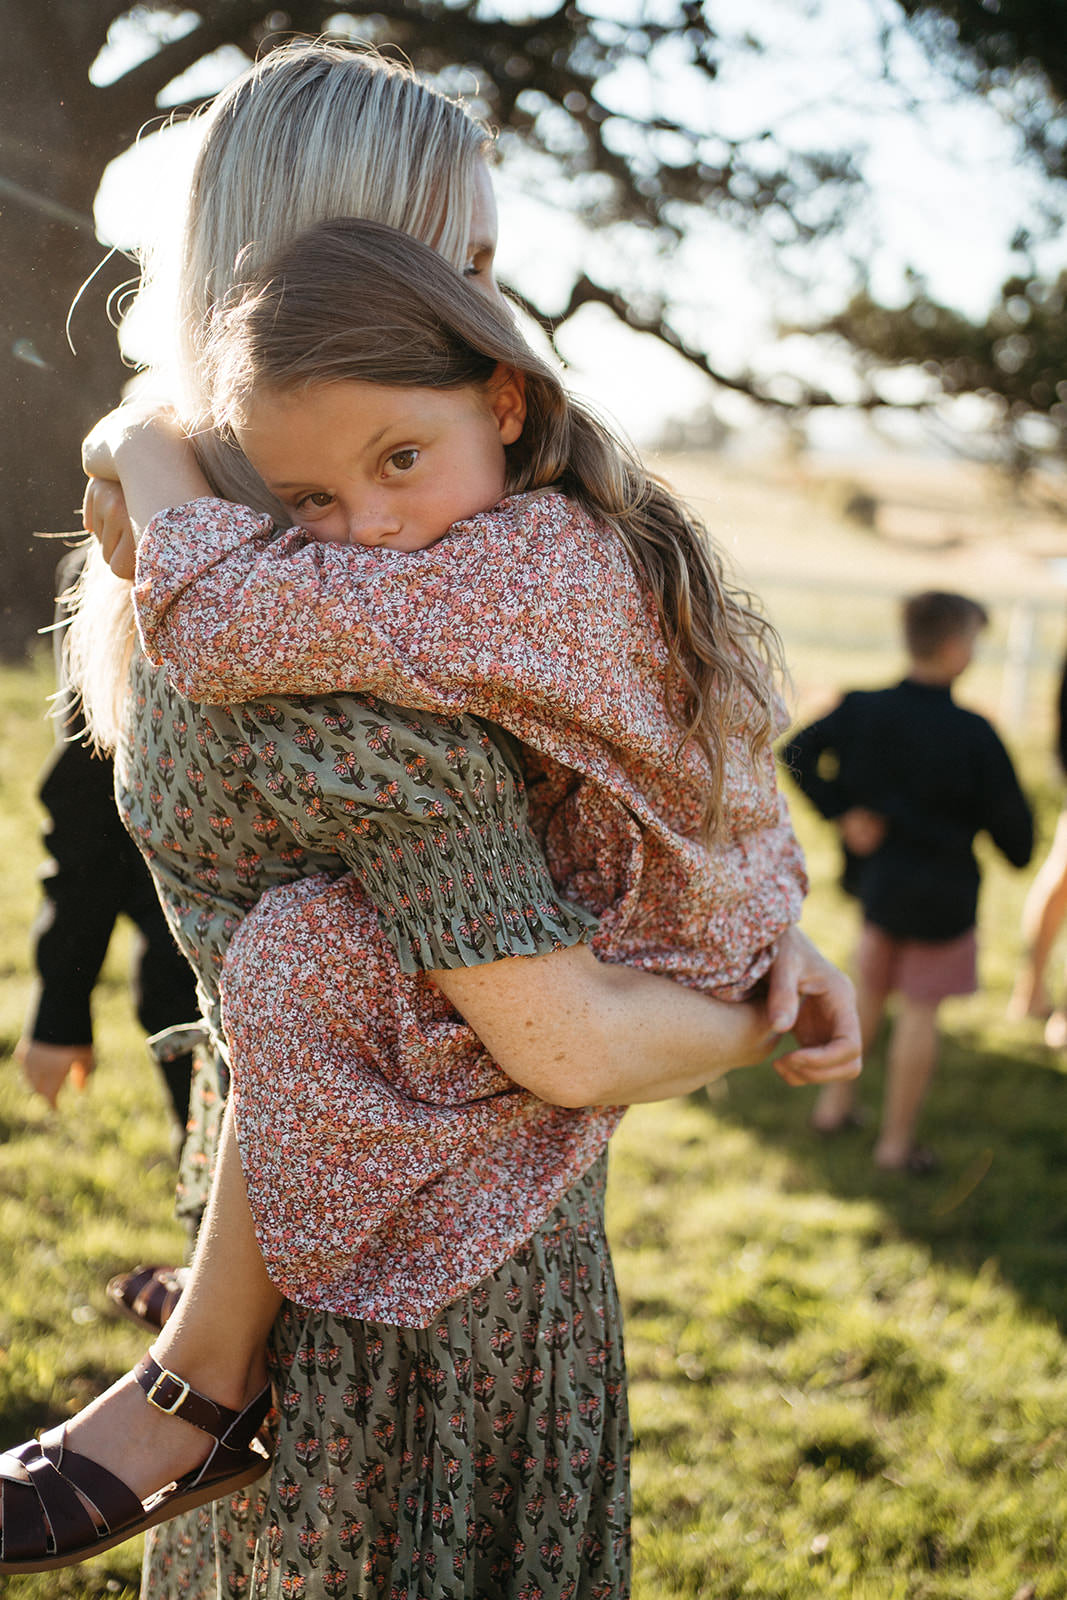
(921, 969)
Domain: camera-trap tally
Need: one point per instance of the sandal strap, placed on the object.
(234, 1430)
(150, 1293)
(25, 1523)
(78, 1502)
(57, 1507)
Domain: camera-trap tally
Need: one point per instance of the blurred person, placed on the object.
(910, 778)
(94, 875)
(1043, 912)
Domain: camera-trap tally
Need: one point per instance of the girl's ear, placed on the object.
(507, 401)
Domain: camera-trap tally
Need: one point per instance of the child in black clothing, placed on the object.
(915, 778)
(94, 875)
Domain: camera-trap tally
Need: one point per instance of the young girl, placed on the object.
(593, 624)
(347, 1209)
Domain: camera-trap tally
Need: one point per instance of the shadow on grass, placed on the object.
(997, 1118)
(25, 1413)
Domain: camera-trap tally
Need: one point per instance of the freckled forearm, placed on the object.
(576, 1032)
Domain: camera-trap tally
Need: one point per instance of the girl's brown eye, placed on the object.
(404, 460)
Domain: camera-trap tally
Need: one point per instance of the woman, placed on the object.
(430, 1464)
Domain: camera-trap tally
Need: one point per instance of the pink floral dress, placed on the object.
(530, 616)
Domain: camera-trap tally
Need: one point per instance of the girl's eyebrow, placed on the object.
(299, 483)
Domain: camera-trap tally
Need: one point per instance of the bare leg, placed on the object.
(215, 1340)
(909, 1068)
(836, 1102)
(1043, 915)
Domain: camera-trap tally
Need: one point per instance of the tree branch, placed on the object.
(143, 84)
(807, 398)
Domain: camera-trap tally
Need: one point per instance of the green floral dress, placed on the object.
(486, 1454)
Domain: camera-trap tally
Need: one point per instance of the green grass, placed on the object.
(843, 1383)
(82, 1193)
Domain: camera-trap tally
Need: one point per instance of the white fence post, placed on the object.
(1018, 660)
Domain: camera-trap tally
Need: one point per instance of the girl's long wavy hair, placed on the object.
(312, 131)
(352, 300)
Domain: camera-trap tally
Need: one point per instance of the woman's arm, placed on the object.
(578, 1032)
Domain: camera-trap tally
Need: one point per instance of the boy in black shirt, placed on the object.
(916, 777)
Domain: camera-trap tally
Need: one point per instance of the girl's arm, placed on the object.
(233, 610)
(139, 462)
(520, 615)
(579, 1032)
(616, 1034)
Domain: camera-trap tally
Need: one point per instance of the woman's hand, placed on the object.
(811, 999)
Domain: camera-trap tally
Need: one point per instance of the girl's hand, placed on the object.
(131, 423)
(809, 997)
(105, 516)
(139, 461)
(104, 511)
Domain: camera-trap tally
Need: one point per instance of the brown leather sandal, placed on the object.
(147, 1295)
(60, 1508)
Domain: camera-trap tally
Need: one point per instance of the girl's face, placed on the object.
(362, 463)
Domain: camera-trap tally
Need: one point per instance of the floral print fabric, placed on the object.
(389, 1161)
(532, 617)
(428, 811)
(483, 1458)
(363, 1095)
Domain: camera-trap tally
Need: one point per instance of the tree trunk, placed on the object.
(52, 398)
(52, 152)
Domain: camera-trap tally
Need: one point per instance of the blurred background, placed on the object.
(809, 255)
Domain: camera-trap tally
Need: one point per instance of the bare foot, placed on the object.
(916, 1159)
(834, 1108)
(851, 1122)
(1028, 1002)
(1056, 1030)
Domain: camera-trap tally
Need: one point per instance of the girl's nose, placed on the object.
(371, 525)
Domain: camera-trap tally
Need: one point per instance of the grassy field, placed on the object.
(844, 1383)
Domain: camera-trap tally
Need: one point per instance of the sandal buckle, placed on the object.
(164, 1378)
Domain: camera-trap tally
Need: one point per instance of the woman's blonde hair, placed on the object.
(312, 131)
(352, 300)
